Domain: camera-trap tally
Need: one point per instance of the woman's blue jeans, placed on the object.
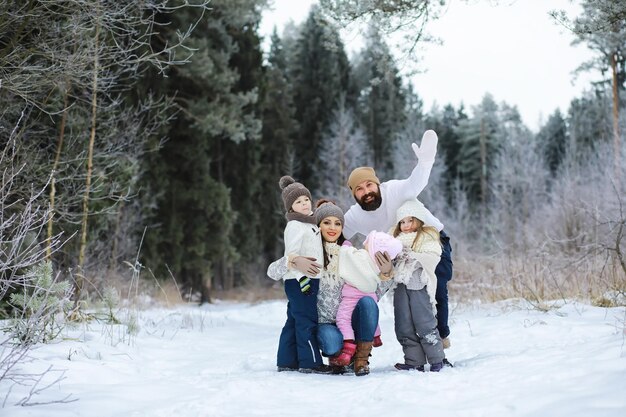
(364, 322)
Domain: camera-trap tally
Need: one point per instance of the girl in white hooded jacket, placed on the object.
(414, 296)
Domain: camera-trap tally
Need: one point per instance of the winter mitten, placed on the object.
(445, 342)
(428, 148)
(306, 265)
(383, 261)
(377, 341)
(305, 285)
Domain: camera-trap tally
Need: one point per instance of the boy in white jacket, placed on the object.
(298, 347)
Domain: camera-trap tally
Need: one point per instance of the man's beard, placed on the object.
(373, 204)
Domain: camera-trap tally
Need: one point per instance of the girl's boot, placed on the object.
(345, 356)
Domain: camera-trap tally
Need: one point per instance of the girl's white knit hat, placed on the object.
(412, 208)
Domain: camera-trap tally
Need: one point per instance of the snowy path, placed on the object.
(219, 360)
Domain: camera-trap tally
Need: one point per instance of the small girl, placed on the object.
(298, 347)
(358, 269)
(414, 297)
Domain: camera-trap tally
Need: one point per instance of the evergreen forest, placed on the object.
(141, 144)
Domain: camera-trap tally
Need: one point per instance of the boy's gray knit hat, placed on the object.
(328, 209)
(292, 190)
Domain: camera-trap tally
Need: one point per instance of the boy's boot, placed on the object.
(361, 357)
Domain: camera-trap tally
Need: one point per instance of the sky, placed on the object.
(511, 49)
(218, 360)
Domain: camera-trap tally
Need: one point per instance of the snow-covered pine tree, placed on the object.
(589, 121)
(479, 141)
(602, 27)
(518, 184)
(553, 139)
(344, 147)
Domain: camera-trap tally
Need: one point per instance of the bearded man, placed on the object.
(376, 203)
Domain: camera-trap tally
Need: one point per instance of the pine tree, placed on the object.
(602, 27)
(553, 139)
(479, 142)
(416, 123)
(191, 232)
(381, 100)
(518, 182)
(589, 121)
(446, 123)
(279, 132)
(241, 160)
(344, 147)
(320, 74)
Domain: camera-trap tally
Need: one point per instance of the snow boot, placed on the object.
(405, 367)
(319, 369)
(339, 370)
(436, 367)
(361, 357)
(446, 362)
(345, 356)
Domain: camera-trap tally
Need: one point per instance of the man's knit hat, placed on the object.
(292, 190)
(382, 242)
(328, 209)
(413, 208)
(360, 174)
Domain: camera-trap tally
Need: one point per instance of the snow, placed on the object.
(219, 360)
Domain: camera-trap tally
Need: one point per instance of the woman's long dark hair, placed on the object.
(341, 237)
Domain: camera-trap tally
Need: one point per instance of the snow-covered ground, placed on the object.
(219, 360)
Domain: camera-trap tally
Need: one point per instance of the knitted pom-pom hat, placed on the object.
(328, 209)
(292, 190)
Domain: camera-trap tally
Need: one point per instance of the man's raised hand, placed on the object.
(428, 148)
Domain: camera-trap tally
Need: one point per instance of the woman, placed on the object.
(330, 220)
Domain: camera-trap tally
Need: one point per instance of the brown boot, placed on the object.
(361, 364)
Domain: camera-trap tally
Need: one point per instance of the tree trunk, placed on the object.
(616, 138)
(116, 238)
(483, 169)
(92, 138)
(229, 278)
(54, 168)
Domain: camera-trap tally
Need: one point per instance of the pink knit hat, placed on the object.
(383, 242)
